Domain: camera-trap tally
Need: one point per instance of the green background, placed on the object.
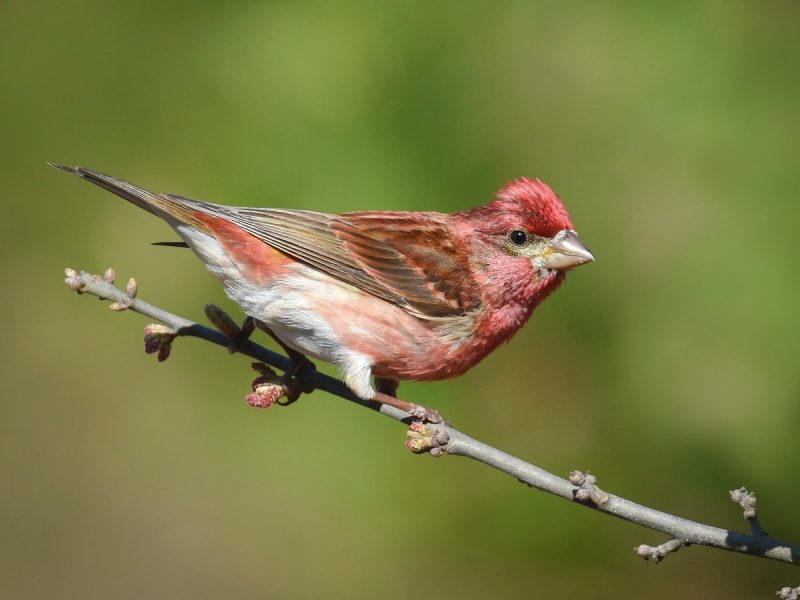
(669, 367)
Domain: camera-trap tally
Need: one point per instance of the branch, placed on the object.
(581, 488)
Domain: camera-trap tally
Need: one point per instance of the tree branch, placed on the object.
(440, 439)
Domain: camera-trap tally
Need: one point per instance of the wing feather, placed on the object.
(405, 258)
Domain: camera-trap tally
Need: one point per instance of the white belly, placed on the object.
(287, 306)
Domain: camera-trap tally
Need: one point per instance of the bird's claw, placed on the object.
(426, 415)
(302, 372)
(270, 388)
(267, 387)
(418, 413)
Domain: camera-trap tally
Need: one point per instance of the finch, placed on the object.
(387, 294)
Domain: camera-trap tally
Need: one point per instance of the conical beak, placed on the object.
(566, 252)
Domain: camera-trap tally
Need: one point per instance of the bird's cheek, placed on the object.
(537, 265)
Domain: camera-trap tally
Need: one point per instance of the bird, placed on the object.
(389, 295)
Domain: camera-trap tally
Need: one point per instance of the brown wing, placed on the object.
(413, 255)
(404, 258)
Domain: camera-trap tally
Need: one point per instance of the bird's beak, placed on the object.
(566, 251)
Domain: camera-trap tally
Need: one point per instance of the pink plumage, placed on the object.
(395, 295)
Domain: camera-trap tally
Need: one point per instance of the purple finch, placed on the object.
(394, 295)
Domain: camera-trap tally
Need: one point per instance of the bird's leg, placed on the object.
(387, 394)
(417, 412)
(299, 376)
(387, 386)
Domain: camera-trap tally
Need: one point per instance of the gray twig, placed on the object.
(445, 439)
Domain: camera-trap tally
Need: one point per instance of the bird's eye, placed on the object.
(518, 237)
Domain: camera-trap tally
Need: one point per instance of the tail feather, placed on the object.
(171, 244)
(165, 206)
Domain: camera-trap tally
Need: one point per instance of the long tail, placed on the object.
(170, 208)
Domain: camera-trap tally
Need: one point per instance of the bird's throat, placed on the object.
(507, 313)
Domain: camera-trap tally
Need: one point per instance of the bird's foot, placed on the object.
(426, 415)
(418, 413)
(267, 387)
(387, 386)
(270, 388)
(298, 378)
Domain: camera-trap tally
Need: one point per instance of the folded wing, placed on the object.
(405, 258)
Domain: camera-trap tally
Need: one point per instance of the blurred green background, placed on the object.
(669, 367)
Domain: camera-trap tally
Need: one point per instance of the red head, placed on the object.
(542, 211)
(525, 233)
(520, 246)
(523, 204)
